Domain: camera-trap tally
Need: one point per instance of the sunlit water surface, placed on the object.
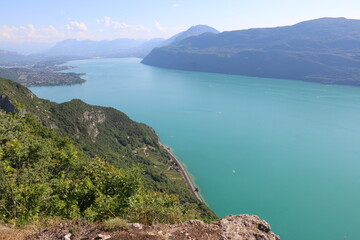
(288, 151)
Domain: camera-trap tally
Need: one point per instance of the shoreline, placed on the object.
(193, 188)
(184, 173)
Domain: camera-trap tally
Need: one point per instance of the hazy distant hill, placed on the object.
(89, 48)
(325, 50)
(121, 47)
(192, 31)
(26, 47)
(7, 57)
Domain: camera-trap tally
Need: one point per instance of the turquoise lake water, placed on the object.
(287, 151)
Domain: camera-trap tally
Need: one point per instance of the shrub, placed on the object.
(148, 207)
(42, 174)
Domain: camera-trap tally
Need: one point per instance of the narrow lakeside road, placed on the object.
(184, 173)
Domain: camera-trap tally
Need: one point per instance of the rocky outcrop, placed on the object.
(6, 104)
(93, 118)
(236, 227)
(249, 227)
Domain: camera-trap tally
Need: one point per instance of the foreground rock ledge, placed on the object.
(235, 227)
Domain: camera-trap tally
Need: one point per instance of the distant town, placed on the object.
(37, 70)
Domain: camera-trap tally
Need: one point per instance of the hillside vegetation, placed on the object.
(74, 160)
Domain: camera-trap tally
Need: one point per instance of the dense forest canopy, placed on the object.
(75, 160)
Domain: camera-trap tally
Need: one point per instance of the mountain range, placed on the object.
(122, 47)
(325, 50)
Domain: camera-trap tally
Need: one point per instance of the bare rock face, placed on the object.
(249, 227)
(235, 227)
(6, 104)
(93, 118)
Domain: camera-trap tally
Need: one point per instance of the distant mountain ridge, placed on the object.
(89, 48)
(325, 50)
(10, 56)
(191, 32)
(121, 47)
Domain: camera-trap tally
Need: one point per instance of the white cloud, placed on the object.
(8, 33)
(30, 33)
(77, 30)
(167, 31)
(22, 33)
(176, 5)
(159, 27)
(53, 32)
(81, 35)
(76, 26)
(107, 30)
(106, 21)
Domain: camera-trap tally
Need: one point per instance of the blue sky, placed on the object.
(50, 20)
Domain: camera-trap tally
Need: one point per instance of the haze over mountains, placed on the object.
(9, 56)
(41, 69)
(325, 50)
(192, 31)
(122, 47)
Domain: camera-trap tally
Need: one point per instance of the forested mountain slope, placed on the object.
(325, 50)
(52, 141)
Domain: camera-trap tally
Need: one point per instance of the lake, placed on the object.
(287, 151)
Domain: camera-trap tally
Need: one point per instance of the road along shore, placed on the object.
(183, 172)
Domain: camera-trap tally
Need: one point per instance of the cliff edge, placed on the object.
(235, 227)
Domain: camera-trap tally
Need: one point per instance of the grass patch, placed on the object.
(115, 224)
(14, 233)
